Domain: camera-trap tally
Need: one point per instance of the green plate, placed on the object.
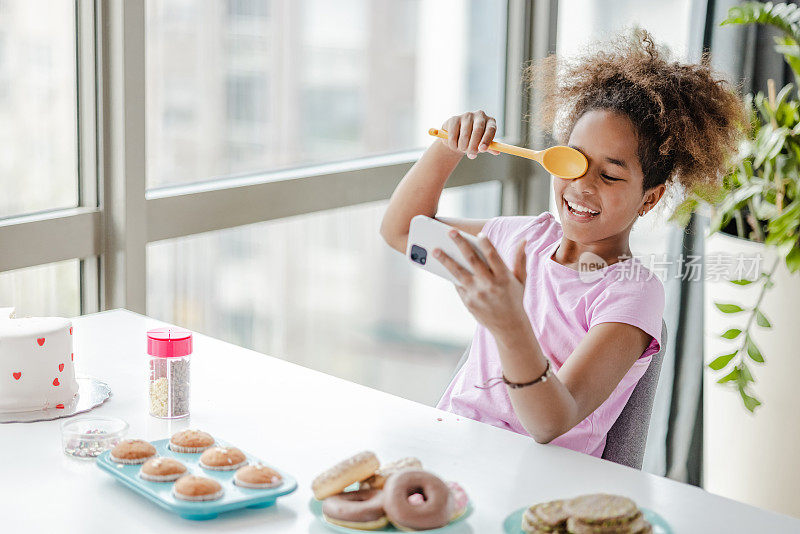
(513, 523)
(316, 508)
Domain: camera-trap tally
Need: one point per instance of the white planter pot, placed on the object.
(753, 458)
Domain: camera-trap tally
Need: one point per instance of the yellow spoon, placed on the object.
(562, 161)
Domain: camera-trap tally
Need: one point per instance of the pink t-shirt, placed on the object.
(562, 306)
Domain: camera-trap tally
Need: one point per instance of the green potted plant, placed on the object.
(751, 322)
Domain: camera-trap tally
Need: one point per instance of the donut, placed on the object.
(460, 500)
(378, 480)
(434, 510)
(354, 469)
(361, 510)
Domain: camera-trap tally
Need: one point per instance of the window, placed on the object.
(270, 85)
(248, 8)
(246, 102)
(325, 291)
(583, 21)
(45, 290)
(38, 107)
(257, 110)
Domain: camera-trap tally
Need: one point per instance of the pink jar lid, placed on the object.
(169, 342)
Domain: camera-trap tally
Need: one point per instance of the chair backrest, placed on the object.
(627, 437)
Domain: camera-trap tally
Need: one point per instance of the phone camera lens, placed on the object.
(418, 254)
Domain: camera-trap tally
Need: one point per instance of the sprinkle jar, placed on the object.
(170, 351)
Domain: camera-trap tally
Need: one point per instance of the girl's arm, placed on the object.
(419, 191)
(590, 374)
(493, 293)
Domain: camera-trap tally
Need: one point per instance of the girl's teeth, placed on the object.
(580, 210)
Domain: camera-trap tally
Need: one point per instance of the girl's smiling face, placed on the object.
(612, 186)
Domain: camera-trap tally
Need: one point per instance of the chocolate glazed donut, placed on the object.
(434, 512)
(355, 506)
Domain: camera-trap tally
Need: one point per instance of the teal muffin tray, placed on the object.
(233, 498)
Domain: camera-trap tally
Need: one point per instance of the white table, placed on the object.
(304, 421)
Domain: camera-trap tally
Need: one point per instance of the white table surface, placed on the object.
(303, 422)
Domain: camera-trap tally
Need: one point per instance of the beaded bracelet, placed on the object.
(516, 385)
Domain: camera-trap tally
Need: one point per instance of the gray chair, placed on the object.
(627, 437)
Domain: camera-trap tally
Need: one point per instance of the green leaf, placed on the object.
(782, 16)
(749, 402)
(733, 375)
(731, 203)
(791, 53)
(741, 282)
(683, 212)
(733, 333)
(744, 375)
(753, 351)
(728, 308)
(783, 94)
(762, 320)
(769, 147)
(721, 361)
(788, 220)
(793, 260)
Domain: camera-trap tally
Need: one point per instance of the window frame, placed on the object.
(71, 233)
(117, 216)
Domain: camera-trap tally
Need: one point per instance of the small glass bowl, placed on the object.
(87, 437)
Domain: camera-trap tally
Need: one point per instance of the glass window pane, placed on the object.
(582, 21)
(44, 290)
(38, 106)
(246, 86)
(343, 302)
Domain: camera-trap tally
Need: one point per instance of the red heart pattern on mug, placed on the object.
(61, 367)
(60, 406)
(56, 382)
(40, 341)
(16, 376)
(70, 330)
(72, 357)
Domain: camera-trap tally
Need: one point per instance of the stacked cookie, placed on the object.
(598, 513)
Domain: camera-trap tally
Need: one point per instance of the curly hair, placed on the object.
(688, 119)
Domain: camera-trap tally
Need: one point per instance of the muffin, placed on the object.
(190, 441)
(195, 488)
(162, 470)
(222, 459)
(132, 451)
(257, 476)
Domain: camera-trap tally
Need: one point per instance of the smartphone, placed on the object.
(425, 235)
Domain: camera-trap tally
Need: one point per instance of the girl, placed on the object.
(569, 344)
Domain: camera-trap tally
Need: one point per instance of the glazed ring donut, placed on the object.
(355, 469)
(434, 512)
(362, 509)
(378, 480)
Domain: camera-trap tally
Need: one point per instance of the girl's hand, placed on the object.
(470, 133)
(492, 292)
